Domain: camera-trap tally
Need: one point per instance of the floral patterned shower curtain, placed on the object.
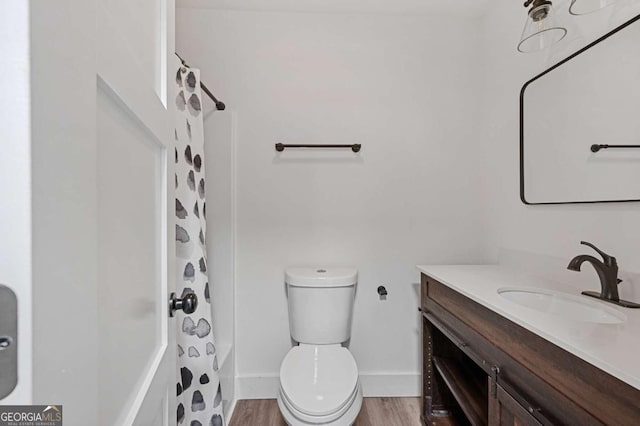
(198, 387)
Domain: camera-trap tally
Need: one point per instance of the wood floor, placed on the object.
(374, 412)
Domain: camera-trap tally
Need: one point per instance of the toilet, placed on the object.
(319, 382)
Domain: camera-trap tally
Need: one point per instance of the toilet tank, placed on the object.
(320, 304)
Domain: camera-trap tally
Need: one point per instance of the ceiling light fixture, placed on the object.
(540, 29)
(583, 7)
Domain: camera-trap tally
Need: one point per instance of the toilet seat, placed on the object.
(319, 380)
(343, 417)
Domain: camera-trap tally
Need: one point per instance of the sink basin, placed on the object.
(577, 308)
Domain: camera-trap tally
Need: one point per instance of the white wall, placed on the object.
(552, 230)
(403, 86)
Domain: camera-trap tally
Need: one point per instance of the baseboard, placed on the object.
(257, 387)
(391, 384)
(373, 385)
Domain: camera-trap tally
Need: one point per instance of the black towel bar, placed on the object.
(596, 147)
(281, 147)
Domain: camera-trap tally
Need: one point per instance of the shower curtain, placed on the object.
(198, 387)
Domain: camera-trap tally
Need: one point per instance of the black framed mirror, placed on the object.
(580, 125)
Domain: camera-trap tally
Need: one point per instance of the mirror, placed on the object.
(590, 98)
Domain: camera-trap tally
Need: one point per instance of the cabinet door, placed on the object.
(504, 410)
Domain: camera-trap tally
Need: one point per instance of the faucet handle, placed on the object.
(608, 260)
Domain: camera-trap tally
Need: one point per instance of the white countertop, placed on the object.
(614, 348)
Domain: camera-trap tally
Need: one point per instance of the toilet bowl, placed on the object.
(319, 386)
(319, 382)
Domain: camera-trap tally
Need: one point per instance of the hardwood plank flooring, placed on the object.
(374, 412)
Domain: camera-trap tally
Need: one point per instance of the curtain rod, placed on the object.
(220, 106)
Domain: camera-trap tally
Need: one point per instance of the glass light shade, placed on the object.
(583, 7)
(540, 30)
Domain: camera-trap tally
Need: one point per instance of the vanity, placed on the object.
(504, 348)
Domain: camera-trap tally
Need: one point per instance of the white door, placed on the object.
(135, 182)
(93, 191)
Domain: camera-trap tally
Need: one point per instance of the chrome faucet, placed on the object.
(607, 270)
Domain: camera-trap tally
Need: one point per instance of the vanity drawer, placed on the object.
(566, 389)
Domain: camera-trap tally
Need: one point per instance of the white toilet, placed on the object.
(319, 382)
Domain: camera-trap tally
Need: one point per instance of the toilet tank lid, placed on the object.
(321, 277)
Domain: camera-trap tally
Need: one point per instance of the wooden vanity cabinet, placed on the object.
(480, 368)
